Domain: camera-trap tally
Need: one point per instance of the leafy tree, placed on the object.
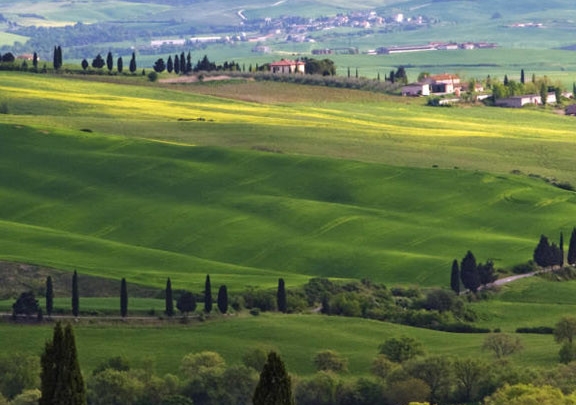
(18, 372)
(159, 65)
(469, 272)
(61, 378)
(255, 358)
(186, 303)
(544, 93)
(115, 387)
(571, 258)
(318, 390)
(281, 296)
(98, 62)
(8, 57)
(502, 344)
(84, 64)
(565, 329)
(469, 375)
(330, 360)
(274, 386)
(132, 66)
(26, 304)
(524, 394)
(118, 363)
(439, 300)
(436, 371)
(169, 64)
(109, 61)
(486, 272)
(455, 277)
(400, 75)
(567, 353)
(27, 397)
(194, 363)
(49, 296)
(123, 298)
(207, 295)
(407, 391)
(120, 64)
(169, 308)
(223, 299)
(401, 349)
(382, 366)
(75, 295)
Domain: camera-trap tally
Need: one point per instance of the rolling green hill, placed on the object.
(74, 198)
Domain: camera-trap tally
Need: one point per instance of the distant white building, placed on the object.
(163, 42)
(399, 17)
(520, 101)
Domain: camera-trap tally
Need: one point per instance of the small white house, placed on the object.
(416, 89)
(287, 66)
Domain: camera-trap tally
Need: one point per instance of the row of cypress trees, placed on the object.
(548, 254)
(470, 274)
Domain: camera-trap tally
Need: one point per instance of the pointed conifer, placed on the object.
(169, 310)
(223, 299)
(571, 258)
(49, 296)
(281, 296)
(469, 272)
(207, 295)
(274, 386)
(123, 298)
(75, 296)
(455, 277)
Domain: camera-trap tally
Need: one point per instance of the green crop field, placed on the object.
(296, 337)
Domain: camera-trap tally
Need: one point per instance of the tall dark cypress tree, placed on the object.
(455, 277)
(188, 63)
(109, 62)
(274, 386)
(562, 247)
(469, 272)
(49, 296)
(281, 296)
(61, 378)
(120, 65)
(176, 64)
(182, 63)
(132, 66)
(75, 296)
(522, 77)
(35, 61)
(207, 295)
(223, 299)
(55, 59)
(169, 310)
(571, 258)
(169, 64)
(543, 255)
(123, 298)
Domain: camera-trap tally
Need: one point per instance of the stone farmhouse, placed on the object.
(435, 84)
(287, 66)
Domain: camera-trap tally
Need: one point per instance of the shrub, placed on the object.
(542, 330)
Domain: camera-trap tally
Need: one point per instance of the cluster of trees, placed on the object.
(182, 64)
(98, 63)
(470, 274)
(508, 87)
(548, 254)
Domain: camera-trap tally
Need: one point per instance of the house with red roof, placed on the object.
(287, 66)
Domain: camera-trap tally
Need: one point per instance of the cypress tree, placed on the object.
(505, 80)
(571, 258)
(176, 64)
(182, 63)
(281, 296)
(348, 72)
(455, 277)
(543, 255)
(60, 61)
(75, 297)
(522, 77)
(169, 311)
(84, 64)
(35, 61)
(207, 295)
(123, 298)
(469, 272)
(61, 378)
(188, 62)
(274, 386)
(562, 246)
(55, 59)
(132, 66)
(120, 65)
(169, 64)
(109, 61)
(49, 296)
(223, 299)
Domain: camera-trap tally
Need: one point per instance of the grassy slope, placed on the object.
(298, 338)
(247, 217)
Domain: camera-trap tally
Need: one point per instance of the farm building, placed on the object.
(520, 101)
(287, 66)
(163, 42)
(416, 89)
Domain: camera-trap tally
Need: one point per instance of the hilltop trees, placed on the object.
(120, 65)
(123, 298)
(207, 295)
(281, 296)
(169, 308)
(57, 57)
(223, 299)
(472, 274)
(548, 255)
(61, 379)
(26, 304)
(98, 62)
(159, 65)
(186, 303)
(469, 272)
(109, 62)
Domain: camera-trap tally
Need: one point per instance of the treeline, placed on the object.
(400, 373)
(470, 274)
(509, 87)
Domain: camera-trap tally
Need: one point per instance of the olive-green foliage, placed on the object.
(330, 360)
(565, 329)
(255, 358)
(382, 366)
(502, 344)
(405, 391)
(401, 349)
(436, 372)
(274, 386)
(470, 374)
(118, 363)
(27, 397)
(567, 352)
(318, 390)
(18, 372)
(194, 363)
(114, 387)
(522, 394)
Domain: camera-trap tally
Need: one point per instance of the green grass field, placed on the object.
(296, 337)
